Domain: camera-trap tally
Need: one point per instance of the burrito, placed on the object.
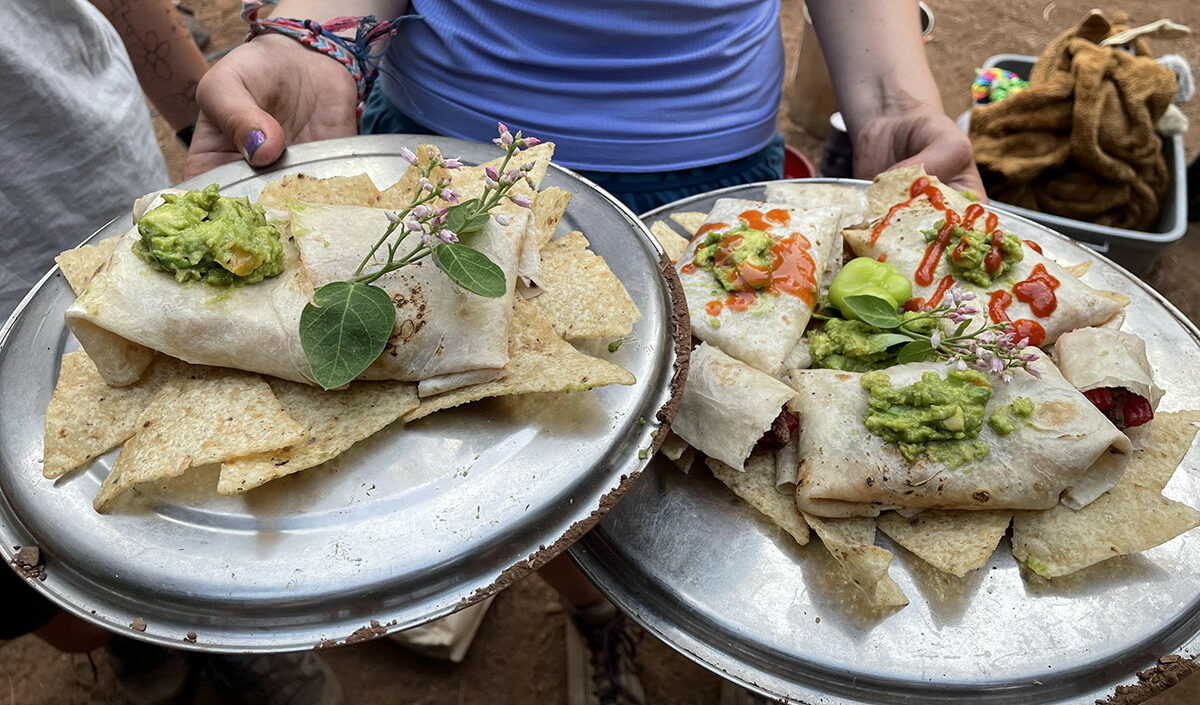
(1037, 441)
(441, 333)
(937, 237)
(849, 202)
(727, 406)
(1111, 369)
(750, 277)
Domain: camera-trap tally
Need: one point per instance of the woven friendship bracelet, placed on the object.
(355, 54)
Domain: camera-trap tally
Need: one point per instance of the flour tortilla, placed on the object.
(1131, 517)
(440, 328)
(763, 335)
(727, 406)
(849, 201)
(129, 309)
(902, 241)
(1094, 358)
(1070, 450)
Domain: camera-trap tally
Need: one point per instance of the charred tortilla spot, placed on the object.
(982, 496)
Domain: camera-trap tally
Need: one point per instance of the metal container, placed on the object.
(409, 525)
(710, 576)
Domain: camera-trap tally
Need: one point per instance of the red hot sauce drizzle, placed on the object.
(921, 305)
(792, 267)
(1033, 246)
(998, 304)
(1038, 291)
(920, 187)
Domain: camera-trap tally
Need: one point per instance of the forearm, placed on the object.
(324, 9)
(167, 61)
(875, 54)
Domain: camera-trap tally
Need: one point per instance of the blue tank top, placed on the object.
(618, 85)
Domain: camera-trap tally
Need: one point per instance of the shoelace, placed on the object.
(617, 647)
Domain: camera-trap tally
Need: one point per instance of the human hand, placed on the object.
(265, 95)
(917, 134)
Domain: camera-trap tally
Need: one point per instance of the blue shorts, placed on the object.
(641, 191)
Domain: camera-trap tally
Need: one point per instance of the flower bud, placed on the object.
(452, 163)
(492, 173)
(408, 155)
(522, 200)
(447, 236)
(502, 219)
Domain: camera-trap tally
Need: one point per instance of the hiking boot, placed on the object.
(601, 658)
(298, 678)
(149, 674)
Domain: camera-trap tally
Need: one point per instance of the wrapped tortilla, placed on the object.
(850, 202)
(760, 328)
(1111, 369)
(441, 332)
(727, 406)
(895, 235)
(1067, 450)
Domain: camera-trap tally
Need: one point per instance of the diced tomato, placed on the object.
(792, 421)
(1102, 397)
(1137, 410)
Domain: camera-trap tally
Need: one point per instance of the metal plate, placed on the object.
(710, 576)
(406, 526)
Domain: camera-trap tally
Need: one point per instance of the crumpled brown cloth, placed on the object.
(1080, 141)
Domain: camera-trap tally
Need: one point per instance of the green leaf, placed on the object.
(962, 328)
(882, 341)
(344, 329)
(474, 224)
(916, 351)
(456, 215)
(470, 269)
(872, 310)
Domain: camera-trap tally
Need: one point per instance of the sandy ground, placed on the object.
(519, 653)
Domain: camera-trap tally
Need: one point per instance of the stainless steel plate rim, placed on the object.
(666, 595)
(331, 555)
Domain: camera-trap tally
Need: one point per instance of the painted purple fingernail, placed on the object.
(254, 140)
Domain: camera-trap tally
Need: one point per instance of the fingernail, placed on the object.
(254, 140)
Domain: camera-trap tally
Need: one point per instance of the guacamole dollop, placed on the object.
(967, 253)
(739, 258)
(935, 417)
(204, 236)
(1005, 418)
(854, 346)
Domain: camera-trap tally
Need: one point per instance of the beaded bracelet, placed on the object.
(355, 54)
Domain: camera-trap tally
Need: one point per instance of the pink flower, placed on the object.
(450, 195)
(522, 200)
(422, 211)
(413, 226)
(490, 182)
(502, 219)
(447, 236)
(936, 338)
(408, 155)
(392, 216)
(453, 163)
(425, 185)
(532, 141)
(1034, 371)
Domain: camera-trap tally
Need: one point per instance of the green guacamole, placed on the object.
(754, 249)
(854, 346)
(1005, 419)
(935, 417)
(204, 236)
(969, 263)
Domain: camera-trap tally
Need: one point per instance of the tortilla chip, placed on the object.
(80, 264)
(672, 242)
(548, 209)
(1078, 270)
(400, 194)
(852, 543)
(334, 191)
(334, 420)
(1117, 296)
(86, 417)
(540, 361)
(690, 221)
(953, 541)
(757, 487)
(673, 447)
(580, 294)
(194, 422)
(469, 181)
(1131, 517)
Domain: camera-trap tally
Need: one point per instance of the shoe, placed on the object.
(299, 678)
(601, 658)
(149, 674)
